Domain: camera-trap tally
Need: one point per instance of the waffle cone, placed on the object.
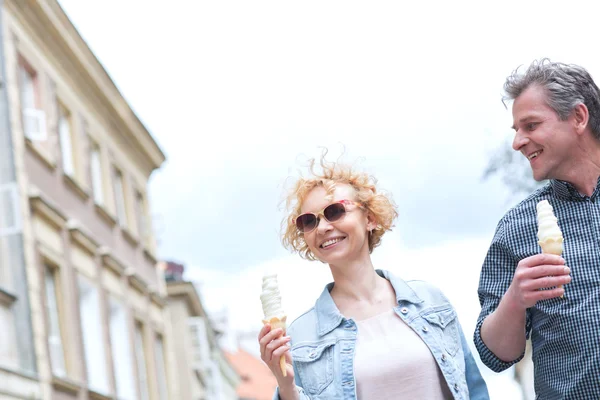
(552, 246)
(275, 323)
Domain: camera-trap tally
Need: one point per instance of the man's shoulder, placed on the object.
(526, 208)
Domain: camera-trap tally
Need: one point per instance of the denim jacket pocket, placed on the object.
(446, 321)
(314, 363)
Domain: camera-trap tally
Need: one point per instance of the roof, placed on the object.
(258, 383)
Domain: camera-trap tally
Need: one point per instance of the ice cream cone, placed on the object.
(550, 237)
(279, 323)
(552, 246)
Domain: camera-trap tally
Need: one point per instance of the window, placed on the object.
(53, 311)
(121, 351)
(200, 347)
(8, 355)
(140, 357)
(161, 373)
(10, 218)
(96, 173)
(93, 340)
(120, 198)
(65, 133)
(33, 117)
(140, 210)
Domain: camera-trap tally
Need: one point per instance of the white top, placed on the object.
(392, 362)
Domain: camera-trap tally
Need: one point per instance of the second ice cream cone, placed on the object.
(279, 323)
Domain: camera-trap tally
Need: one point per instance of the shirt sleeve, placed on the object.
(496, 276)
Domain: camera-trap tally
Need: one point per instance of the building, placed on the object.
(80, 292)
(202, 371)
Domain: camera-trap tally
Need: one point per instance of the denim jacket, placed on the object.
(323, 343)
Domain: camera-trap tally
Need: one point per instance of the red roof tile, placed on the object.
(257, 380)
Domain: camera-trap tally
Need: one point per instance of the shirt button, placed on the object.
(404, 310)
(425, 329)
(312, 355)
(443, 357)
(456, 387)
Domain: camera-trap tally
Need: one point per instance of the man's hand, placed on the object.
(542, 271)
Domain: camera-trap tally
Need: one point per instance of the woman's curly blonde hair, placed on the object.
(378, 204)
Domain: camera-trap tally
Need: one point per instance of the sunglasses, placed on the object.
(334, 212)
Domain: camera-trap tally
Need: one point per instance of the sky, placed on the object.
(239, 95)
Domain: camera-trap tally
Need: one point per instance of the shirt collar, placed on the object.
(329, 317)
(566, 191)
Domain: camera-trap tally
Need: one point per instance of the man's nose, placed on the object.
(519, 141)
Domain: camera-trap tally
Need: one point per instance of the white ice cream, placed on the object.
(271, 297)
(547, 222)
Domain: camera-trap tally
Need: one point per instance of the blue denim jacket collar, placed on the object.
(329, 317)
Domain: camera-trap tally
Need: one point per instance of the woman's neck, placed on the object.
(355, 281)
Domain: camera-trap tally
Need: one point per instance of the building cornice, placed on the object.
(49, 23)
(82, 237)
(136, 281)
(110, 261)
(188, 291)
(46, 208)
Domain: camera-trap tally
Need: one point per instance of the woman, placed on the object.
(370, 335)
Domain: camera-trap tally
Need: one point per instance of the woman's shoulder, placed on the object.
(416, 291)
(305, 321)
(428, 292)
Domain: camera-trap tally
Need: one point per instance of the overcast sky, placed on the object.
(240, 93)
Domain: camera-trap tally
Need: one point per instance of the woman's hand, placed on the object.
(273, 345)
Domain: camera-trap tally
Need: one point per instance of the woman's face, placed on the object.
(344, 240)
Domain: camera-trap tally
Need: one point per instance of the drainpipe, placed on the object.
(12, 255)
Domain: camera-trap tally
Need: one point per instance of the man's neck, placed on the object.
(584, 171)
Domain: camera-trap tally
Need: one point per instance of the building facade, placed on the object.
(203, 371)
(78, 273)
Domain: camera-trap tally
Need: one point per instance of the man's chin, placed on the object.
(539, 177)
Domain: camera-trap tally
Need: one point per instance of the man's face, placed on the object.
(541, 136)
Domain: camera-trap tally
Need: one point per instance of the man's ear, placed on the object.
(581, 118)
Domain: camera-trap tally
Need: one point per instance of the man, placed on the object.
(556, 114)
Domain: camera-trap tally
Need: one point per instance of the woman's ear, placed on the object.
(371, 221)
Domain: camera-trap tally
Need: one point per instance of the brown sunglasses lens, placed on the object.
(334, 212)
(308, 222)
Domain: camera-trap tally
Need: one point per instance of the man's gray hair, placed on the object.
(566, 85)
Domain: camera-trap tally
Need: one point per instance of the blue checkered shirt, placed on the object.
(565, 333)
